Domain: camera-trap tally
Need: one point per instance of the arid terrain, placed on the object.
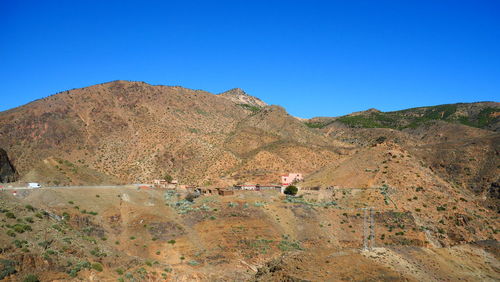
(410, 195)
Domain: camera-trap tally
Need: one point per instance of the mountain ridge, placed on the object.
(122, 132)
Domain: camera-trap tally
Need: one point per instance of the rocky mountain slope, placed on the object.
(240, 97)
(135, 132)
(7, 171)
(135, 234)
(430, 175)
(123, 132)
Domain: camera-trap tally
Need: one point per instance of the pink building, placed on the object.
(288, 179)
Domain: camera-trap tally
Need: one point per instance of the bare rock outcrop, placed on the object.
(7, 171)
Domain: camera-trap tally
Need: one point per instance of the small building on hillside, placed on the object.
(160, 183)
(206, 191)
(289, 179)
(268, 187)
(246, 187)
(226, 192)
(213, 191)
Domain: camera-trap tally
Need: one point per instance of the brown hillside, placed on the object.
(136, 132)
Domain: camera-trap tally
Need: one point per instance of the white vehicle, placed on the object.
(34, 185)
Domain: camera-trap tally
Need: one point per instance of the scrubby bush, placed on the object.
(440, 208)
(21, 228)
(168, 178)
(30, 207)
(191, 196)
(291, 190)
(31, 278)
(79, 266)
(97, 266)
(20, 243)
(7, 268)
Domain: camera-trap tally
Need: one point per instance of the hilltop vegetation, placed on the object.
(481, 115)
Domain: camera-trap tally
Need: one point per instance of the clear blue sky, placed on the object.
(315, 58)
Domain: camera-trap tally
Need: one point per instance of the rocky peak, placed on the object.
(239, 96)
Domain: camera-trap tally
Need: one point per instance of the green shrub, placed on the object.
(30, 207)
(11, 233)
(249, 107)
(168, 177)
(44, 244)
(191, 196)
(7, 268)
(291, 190)
(10, 215)
(20, 243)
(31, 278)
(285, 245)
(119, 271)
(21, 228)
(171, 242)
(97, 266)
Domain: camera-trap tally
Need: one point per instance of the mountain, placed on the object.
(123, 132)
(427, 179)
(136, 132)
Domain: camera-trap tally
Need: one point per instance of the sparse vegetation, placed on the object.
(249, 107)
(97, 266)
(291, 190)
(440, 208)
(31, 278)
